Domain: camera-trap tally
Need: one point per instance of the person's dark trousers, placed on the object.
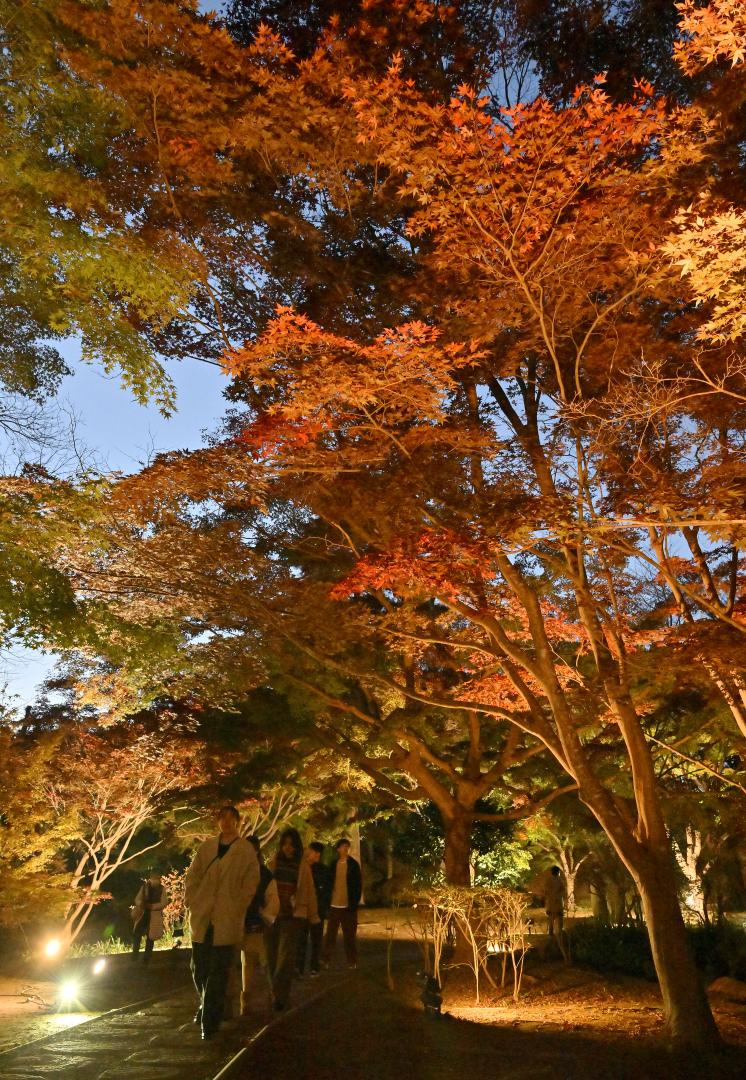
(314, 931)
(210, 969)
(348, 921)
(140, 930)
(282, 955)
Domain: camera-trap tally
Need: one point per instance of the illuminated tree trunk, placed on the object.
(650, 861)
(457, 856)
(688, 1015)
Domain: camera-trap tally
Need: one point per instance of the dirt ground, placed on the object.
(570, 1024)
(555, 996)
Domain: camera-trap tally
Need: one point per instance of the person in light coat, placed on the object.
(220, 885)
(147, 915)
(555, 898)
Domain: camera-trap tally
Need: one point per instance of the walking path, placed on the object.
(351, 1025)
(363, 1031)
(156, 1040)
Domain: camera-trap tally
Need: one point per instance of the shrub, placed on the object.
(109, 946)
(718, 950)
(612, 948)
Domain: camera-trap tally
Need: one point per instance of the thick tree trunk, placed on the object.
(457, 867)
(599, 905)
(688, 1016)
(457, 857)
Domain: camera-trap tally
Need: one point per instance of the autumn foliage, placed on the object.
(483, 467)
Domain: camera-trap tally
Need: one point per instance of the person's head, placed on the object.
(228, 819)
(314, 851)
(556, 871)
(342, 847)
(291, 845)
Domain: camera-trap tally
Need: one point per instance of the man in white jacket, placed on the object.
(220, 885)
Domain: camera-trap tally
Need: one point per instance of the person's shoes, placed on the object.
(315, 973)
(352, 967)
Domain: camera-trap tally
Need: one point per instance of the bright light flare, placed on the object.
(68, 991)
(99, 966)
(52, 948)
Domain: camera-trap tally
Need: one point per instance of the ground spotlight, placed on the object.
(99, 966)
(68, 992)
(52, 947)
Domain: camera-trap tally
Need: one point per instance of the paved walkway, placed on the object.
(347, 1025)
(154, 1041)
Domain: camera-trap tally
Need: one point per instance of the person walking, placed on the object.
(554, 902)
(347, 890)
(315, 931)
(260, 915)
(220, 885)
(297, 897)
(147, 914)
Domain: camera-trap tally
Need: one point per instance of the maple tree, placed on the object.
(572, 41)
(32, 834)
(99, 788)
(530, 224)
(496, 509)
(116, 783)
(708, 244)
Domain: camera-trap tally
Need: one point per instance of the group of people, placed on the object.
(276, 913)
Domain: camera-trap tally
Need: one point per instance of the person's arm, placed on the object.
(355, 885)
(271, 907)
(313, 907)
(250, 876)
(194, 876)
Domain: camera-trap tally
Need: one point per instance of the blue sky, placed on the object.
(121, 435)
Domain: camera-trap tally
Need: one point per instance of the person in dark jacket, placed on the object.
(322, 883)
(347, 890)
(260, 915)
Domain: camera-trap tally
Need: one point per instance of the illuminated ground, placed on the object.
(364, 1032)
(24, 1015)
(570, 1024)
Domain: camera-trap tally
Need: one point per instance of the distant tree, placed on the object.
(34, 835)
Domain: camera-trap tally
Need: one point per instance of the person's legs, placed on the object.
(213, 1000)
(200, 966)
(137, 935)
(302, 936)
(272, 943)
(316, 932)
(149, 943)
(286, 958)
(349, 933)
(252, 957)
(330, 938)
